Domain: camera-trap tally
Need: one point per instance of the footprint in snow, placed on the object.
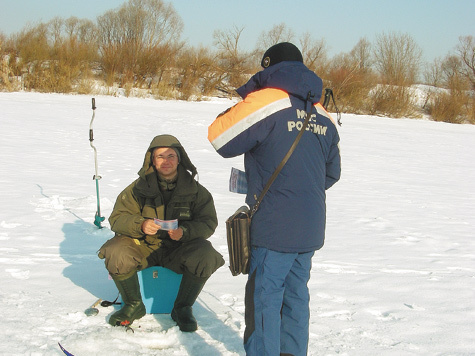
(19, 274)
(6, 225)
(407, 240)
(338, 314)
(414, 307)
(384, 316)
(228, 300)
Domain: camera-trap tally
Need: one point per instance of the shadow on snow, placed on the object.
(81, 242)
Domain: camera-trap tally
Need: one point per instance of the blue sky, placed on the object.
(435, 25)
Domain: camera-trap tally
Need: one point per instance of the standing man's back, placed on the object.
(290, 223)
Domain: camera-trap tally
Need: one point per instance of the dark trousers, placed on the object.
(124, 256)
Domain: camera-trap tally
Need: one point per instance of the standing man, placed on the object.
(289, 225)
(166, 190)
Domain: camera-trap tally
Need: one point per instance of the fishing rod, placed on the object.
(98, 218)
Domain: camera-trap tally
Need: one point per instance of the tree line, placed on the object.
(138, 47)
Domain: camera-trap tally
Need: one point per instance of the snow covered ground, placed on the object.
(396, 276)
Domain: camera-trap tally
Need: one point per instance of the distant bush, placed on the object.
(453, 106)
(397, 58)
(447, 107)
(392, 101)
(5, 81)
(455, 103)
(49, 77)
(351, 78)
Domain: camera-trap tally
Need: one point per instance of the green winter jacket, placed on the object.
(191, 203)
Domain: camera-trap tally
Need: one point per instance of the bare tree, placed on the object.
(197, 73)
(132, 35)
(55, 28)
(362, 54)
(352, 79)
(433, 73)
(78, 34)
(233, 63)
(228, 41)
(453, 73)
(466, 51)
(4, 65)
(455, 104)
(397, 57)
(432, 77)
(314, 52)
(32, 44)
(451, 105)
(278, 33)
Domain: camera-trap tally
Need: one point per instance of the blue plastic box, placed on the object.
(159, 288)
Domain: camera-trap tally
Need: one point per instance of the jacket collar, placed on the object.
(148, 185)
(292, 77)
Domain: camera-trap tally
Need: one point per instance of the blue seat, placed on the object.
(159, 288)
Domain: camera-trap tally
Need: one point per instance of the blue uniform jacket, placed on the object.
(291, 217)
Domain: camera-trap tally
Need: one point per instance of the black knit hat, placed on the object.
(280, 52)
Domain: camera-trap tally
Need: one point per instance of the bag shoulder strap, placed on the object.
(286, 157)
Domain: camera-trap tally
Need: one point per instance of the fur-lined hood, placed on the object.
(147, 184)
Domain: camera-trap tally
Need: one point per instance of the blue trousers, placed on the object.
(277, 303)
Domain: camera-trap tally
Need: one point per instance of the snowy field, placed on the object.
(395, 277)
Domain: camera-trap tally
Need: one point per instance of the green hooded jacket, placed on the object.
(191, 203)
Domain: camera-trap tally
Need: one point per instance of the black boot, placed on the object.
(133, 306)
(182, 313)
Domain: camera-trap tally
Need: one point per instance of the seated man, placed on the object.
(166, 190)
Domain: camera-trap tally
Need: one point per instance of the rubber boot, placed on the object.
(133, 308)
(182, 313)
